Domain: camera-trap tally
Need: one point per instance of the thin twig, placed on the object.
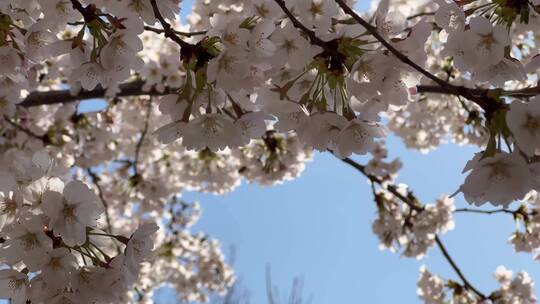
(391, 188)
(468, 210)
(29, 132)
(420, 15)
(101, 195)
(141, 139)
(457, 269)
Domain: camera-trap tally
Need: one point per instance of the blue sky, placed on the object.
(319, 226)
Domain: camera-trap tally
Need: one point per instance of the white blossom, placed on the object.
(71, 211)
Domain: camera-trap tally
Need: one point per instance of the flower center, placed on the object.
(9, 206)
(69, 211)
(29, 241)
(487, 41)
(499, 170)
(316, 9)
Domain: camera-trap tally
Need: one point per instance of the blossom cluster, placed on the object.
(52, 243)
(432, 289)
(400, 226)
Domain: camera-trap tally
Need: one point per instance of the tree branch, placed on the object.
(523, 93)
(391, 188)
(519, 93)
(373, 31)
(168, 30)
(186, 34)
(444, 90)
(468, 210)
(134, 88)
(29, 132)
(311, 34)
(456, 268)
(455, 90)
(413, 202)
(88, 16)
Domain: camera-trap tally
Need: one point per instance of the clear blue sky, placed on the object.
(319, 226)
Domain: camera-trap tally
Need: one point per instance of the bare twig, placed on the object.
(29, 132)
(391, 188)
(95, 180)
(141, 139)
(420, 15)
(468, 210)
(457, 269)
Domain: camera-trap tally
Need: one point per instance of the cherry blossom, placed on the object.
(524, 121)
(499, 179)
(139, 246)
(71, 211)
(26, 241)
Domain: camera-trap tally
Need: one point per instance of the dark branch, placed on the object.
(468, 210)
(311, 34)
(168, 30)
(101, 194)
(456, 268)
(444, 90)
(134, 88)
(44, 138)
(523, 93)
(87, 15)
(186, 34)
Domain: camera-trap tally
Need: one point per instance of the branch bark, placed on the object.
(185, 47)
(468, 210)
(134, 88)
(454, 266)
(311, 34)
